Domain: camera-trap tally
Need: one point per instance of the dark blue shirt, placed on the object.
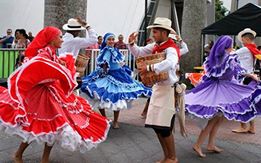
(8, 42)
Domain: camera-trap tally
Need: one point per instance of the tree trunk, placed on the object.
(57, 12)
(193, 21)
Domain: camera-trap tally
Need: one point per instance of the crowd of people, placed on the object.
(20, 39)
(41, 102)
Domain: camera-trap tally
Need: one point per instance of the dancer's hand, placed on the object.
(183, 131)
(62, 62)
(179, 39)
(133, 38)
(105, 67)
(143, 68)
(253, 76)
(82, 22)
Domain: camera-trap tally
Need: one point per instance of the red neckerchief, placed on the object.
(169, 43)
(252, 48)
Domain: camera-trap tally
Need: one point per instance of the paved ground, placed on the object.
(133, 143)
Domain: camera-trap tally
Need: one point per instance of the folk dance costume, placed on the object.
(161, 109)
(39, 104)
(247, 56)
(220, 92)
(113, 87)
(73, 44)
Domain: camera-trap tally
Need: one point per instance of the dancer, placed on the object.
(72, 42)
(247, 56)
(221, 95)
(39, 104)
(183, 50)
(110, 85)
(161, 111)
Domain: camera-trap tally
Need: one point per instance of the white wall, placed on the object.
(117, 16)
(27, 14)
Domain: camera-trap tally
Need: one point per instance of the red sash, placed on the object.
(253, 49)
(170, 43)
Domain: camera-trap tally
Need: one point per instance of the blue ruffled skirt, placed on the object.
(114, 89)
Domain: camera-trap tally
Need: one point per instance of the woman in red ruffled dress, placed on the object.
(40, 106)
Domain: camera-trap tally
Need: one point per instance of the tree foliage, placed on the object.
(220, 10)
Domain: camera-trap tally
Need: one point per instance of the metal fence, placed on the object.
(8, 61)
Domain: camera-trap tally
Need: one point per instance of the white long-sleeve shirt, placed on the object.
(74, 44)
(246, 59)
(183, 48)
(169, 64)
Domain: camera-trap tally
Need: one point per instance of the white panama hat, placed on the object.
(246, 30)
(164, 23)
(73, 25)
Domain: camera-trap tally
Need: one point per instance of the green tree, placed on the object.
(220, 10)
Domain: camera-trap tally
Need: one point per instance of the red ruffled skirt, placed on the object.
(40, 106)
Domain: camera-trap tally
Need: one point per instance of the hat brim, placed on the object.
(161, 26)
(240, 34)
(66, 28)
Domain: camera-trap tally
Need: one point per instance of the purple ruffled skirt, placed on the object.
(235, 101)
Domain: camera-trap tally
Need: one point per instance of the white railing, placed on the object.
(129, 59)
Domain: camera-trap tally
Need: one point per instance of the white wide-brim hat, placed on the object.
(73, 25)
(164, 23)
(246, 30)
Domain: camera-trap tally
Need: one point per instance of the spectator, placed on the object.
(30, 36)
(207, 49)
(15, 41)
(120, 44)
(97, 45)
(7, 40)
(22, 40)
(99, 41)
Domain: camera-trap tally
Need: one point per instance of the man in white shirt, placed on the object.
(72, 43)
(182, 45)
(161, 112)
(246, 57)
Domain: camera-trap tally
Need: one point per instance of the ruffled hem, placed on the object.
(112, 97)
(218, 71)
(22, 80)
(98, 74)
(120, 105)
(65, 136)
(229, 110)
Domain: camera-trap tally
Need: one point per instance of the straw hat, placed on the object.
(164, 23)
(246, 30)
(73, 25)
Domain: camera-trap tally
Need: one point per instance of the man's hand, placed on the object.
(82, 22)
(143, 68)
(133, 38)
(178, 38)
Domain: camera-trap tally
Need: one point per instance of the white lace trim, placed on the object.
(65, 136)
